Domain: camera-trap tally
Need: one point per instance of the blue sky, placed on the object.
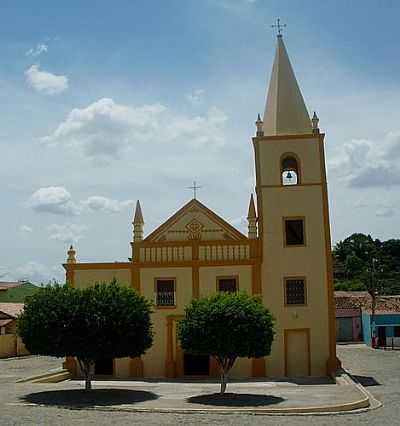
(105, 102)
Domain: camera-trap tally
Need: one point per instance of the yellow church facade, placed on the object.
(285, 258)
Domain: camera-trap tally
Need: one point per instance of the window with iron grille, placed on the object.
(165, 292)
(294, 232)
(227, 285)
(295, 291)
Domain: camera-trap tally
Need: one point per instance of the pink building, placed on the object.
(349, 305)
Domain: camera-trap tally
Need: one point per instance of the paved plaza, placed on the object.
(65, 403)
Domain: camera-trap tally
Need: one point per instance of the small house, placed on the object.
(10, 344)
(349, 305)
(383, 325)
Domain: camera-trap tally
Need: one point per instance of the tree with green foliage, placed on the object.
(98, 322)
(227, 326)
(364, 263)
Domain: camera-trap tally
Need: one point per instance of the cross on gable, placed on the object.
(195, 187)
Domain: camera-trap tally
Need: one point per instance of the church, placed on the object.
(285, 258)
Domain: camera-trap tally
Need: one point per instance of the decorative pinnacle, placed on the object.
(259, 126)
(71, 255)
(315, 121)
(252, 209)
(138, 218)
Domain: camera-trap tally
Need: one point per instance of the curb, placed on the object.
(374, 403)
(350, 408)
(48, 377)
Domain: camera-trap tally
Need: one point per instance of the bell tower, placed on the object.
(294, 230)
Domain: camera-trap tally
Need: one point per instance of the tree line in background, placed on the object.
(363, 263)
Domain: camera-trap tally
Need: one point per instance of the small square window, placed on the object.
(227, 285)
(295, 291)
(294, 232)
(165, 292)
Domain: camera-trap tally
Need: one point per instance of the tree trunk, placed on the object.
(88, 383)
(223, 382)
(225, 364)
(87, 369)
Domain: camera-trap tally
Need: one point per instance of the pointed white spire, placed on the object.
(285, 110)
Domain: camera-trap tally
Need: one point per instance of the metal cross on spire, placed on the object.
(194, 188)
(279, 26)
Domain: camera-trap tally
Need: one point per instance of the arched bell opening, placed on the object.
(290, 170)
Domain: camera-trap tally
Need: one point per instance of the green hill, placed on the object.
(18, 294)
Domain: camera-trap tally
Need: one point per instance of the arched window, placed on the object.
(290, 171)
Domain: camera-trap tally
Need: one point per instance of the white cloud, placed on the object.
(44, 81)
(26, 229)
(57, 200)
(67, 233)
(196, 97)
(35, 272)
(53, 199)
(105, 129)
(365, 163)
(106, 205)
(199, 130)
(37, 50)
(385, 212)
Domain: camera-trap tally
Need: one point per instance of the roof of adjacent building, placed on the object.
(5, 285)
(4, 322)
(352, 299)
(386, 305)
(363, 300)
(12, 309)
(285, 110)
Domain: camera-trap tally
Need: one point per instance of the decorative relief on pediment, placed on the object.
(194, 228)
(195, 221)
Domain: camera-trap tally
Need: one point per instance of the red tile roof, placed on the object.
(363, 300)
(12, 309)
(352, 299)
(386, 305)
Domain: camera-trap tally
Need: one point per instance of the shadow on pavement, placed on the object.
(303, 381)
(366, 380)
(235, 400)
(79, 398)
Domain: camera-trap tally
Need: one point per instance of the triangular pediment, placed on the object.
(194, 221)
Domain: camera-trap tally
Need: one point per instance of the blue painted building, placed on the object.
(385, 325)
